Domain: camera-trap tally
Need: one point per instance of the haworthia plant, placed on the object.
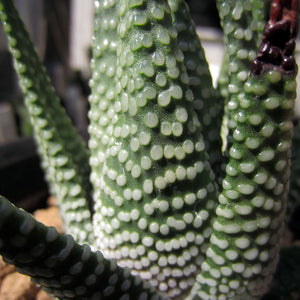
(159, 223)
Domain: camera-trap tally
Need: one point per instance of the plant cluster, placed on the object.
(183, 188)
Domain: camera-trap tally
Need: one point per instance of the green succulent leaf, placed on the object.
(242, 22)
(61, 266)
(155, 192)
(102, 83)
(209, 105)
(65, 157)
(244, 247)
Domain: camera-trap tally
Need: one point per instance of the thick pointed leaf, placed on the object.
(209, 105)
(156, 193)
(62, 267)
(245, 243)
(64, 155)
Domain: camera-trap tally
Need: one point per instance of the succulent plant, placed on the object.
(147, 210)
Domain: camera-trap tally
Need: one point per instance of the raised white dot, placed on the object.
(134, 144)
(188, 146)
(137, 195)
(144, 138)
(226, 271)
(129, 165)
(154, 227)
(149, 210)
(200, 146)
(181, 114)
(164, 229)
(151, 119)
(163, 206)
(160, 182)
(160, 246)
(271, 183)
(235, 153)
(134, 237)
(267, 130)
(238, 267)
(264, 256)
(121, 180)
(280, 165)
(255, 119)
(245, 189)
(251, 254)
(179, 153)
(164, 98)
(134, 214)
(269, 204)
(261, 177)
(234, 284)
(146, 163)
(247, 167)
(242, 243)
(169, 151)
(202, 193)
(177, 129)
(163, 36)
(258, 201)
(188, 218)
(177, 202)
(147, 241)
(243, 209)
(264, 222)
(191, 173)
(153, 256)
(249, 226)
(161, 80)
(112, 174)
(166, 128)
(231, 254)
(180, 173)
(266, 155)
(170, 176)
(190, 199)
(156, 152)
(125, 131)
(136, 171)
(142, 223)
(272, 103)
(262, 239)
(148, 186)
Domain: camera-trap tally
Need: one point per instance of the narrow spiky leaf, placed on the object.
(64, 155)
(102, 83)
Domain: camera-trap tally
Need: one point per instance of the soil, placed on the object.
(15, 286)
